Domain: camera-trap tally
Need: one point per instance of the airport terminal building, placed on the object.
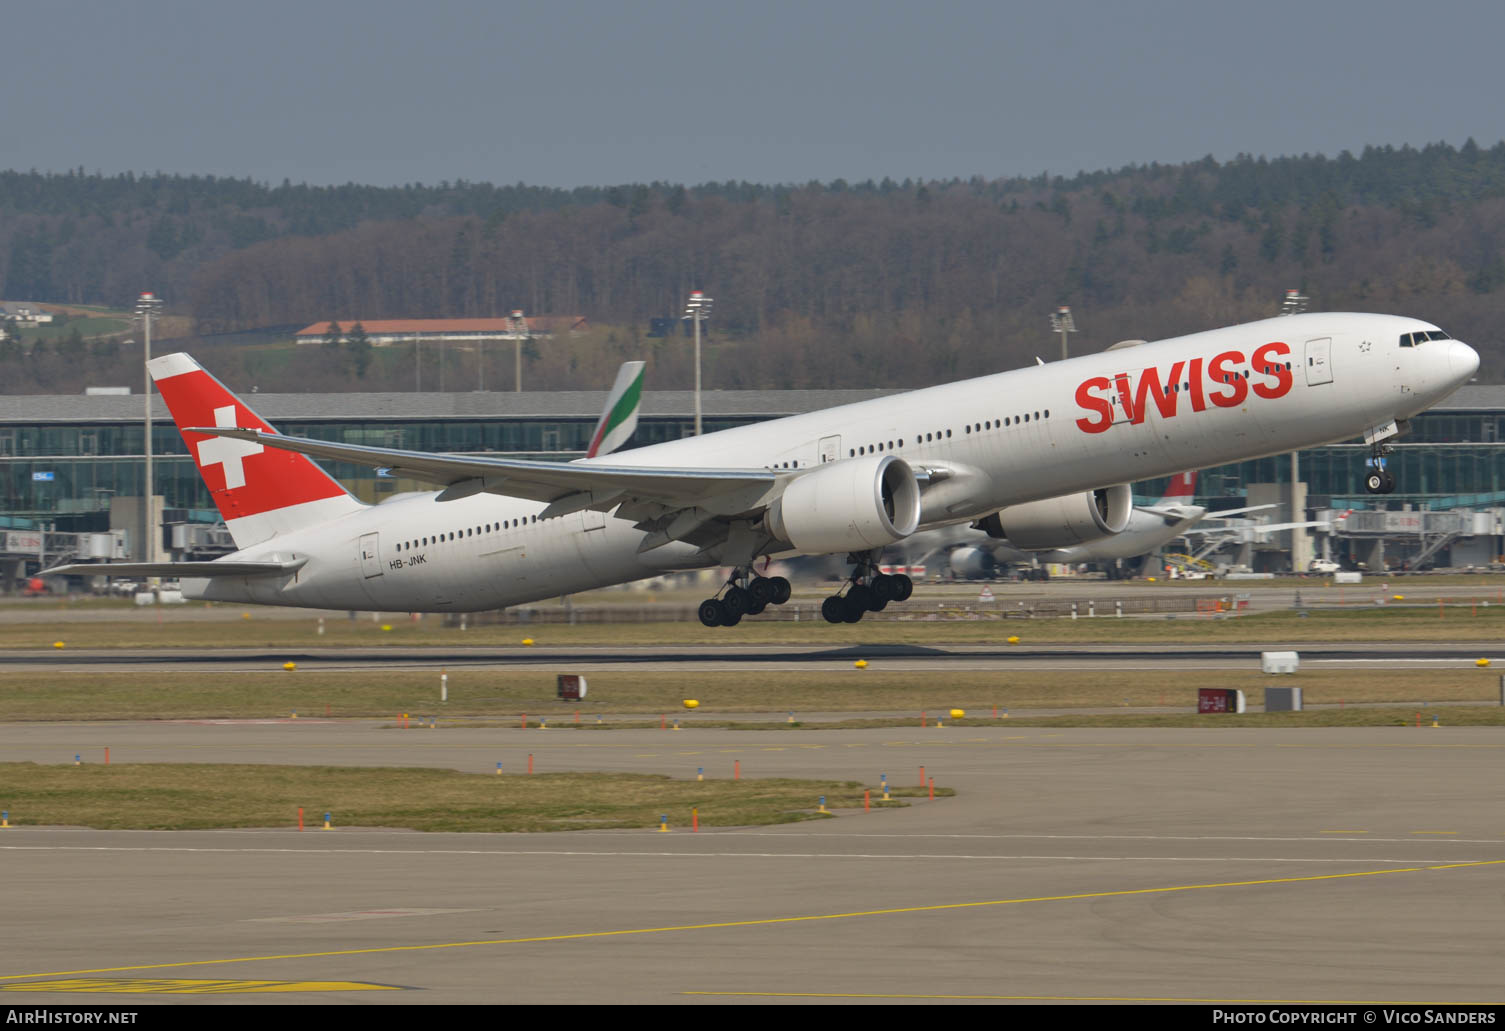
(74, 464)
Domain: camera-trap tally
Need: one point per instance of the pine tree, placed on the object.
(358, 345)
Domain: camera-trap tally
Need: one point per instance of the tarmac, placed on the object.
(1218, 864)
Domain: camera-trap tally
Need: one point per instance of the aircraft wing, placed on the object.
(177, 569)
(1263, 528)
(1252, 529)
(569, 486)
(1225, 513)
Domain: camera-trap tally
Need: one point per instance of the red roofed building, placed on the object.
(383, 332)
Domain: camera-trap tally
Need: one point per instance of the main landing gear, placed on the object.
(870, 591)
(746, 595)
(1378, 480)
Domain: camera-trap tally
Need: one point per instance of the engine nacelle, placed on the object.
(969, 563)
(852, 505)
(1063, 522)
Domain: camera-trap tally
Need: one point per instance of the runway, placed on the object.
(595, 659)
(1219, 864)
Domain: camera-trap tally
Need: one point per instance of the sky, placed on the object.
(566, 93)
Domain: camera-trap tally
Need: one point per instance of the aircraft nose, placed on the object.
(1463, 361)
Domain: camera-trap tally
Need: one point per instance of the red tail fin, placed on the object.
(259, 491)
(1181, 490)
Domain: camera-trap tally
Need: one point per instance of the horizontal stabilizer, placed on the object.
(178, 569)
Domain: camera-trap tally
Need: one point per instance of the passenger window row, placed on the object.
(454, 535)
(929, 438)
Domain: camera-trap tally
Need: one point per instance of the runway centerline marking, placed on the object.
(762, 922)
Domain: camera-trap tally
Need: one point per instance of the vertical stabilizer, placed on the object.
(1182, 490)
(261, 492)
(620, 417)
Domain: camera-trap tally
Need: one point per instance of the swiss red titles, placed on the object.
(1220, 381)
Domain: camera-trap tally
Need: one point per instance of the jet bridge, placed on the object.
(1415, 538)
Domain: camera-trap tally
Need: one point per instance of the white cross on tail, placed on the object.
(227, 451)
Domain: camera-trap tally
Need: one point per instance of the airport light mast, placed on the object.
(1061, 322)
(1294, 303)
(147, 306)
(518, 331)
(697, 311)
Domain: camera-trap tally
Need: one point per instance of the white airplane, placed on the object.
(1149, 528)
(973, 554)
(1051, 449)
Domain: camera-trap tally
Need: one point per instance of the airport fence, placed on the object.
(805, 611)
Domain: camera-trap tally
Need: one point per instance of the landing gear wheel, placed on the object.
(852, 610)
(710, 612)
(1389, 484)
(862, 597)
(757, 607)
(737, 600)
(834, 609)
(762, 590)
(729, 617)
(1374, 483)
(781, 589)
(903, 587)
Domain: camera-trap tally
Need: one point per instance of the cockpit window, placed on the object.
(1421, 336)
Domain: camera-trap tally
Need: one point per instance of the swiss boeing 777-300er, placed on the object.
(1046, 452)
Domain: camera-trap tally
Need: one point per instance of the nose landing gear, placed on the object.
(1378, 480)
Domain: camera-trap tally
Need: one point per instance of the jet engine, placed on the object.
(969, 563)
(852, 505)
(1063, 522)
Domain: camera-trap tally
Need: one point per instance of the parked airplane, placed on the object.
(1047, 450)
(972, 554)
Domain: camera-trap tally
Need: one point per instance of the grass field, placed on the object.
(179, 796)
(1458, 622)
(507, 695)
(86, 327)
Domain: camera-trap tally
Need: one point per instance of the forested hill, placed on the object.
(822, 284)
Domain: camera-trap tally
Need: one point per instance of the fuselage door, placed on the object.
(830, 448)
(1319, 356)
(370, 555)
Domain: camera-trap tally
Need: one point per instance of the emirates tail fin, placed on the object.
(620, 417)
(261, 492)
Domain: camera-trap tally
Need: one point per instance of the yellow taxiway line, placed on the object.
(763, 922)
